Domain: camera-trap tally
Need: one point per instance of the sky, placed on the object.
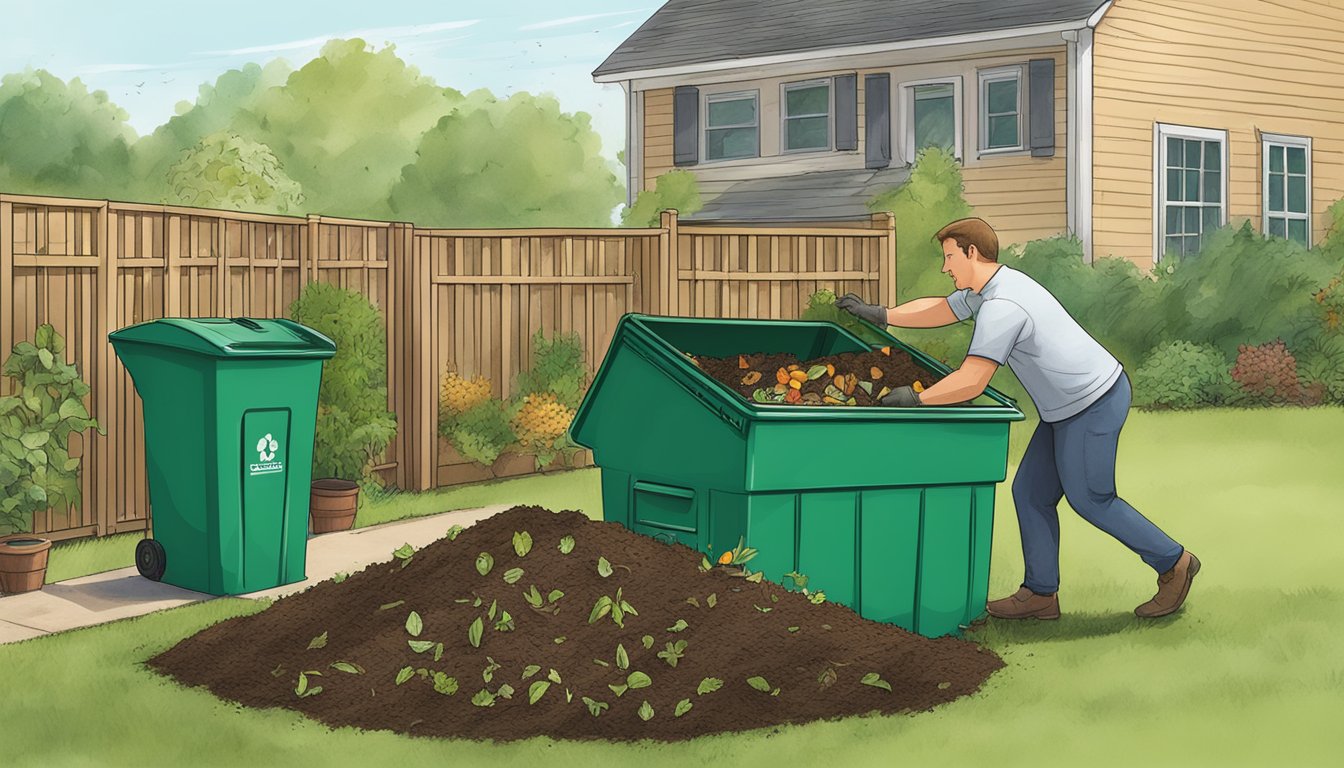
(149, 55)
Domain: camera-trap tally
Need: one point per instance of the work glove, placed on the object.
(873, 313)
(902, 397)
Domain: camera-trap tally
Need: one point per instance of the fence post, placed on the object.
(106, 463)
(6, 286)
(309, 269)
(668, 256)
(886, 272)
(421, 423)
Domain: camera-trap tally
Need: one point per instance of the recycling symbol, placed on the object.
(266, 447)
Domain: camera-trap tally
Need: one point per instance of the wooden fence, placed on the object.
(454, 300)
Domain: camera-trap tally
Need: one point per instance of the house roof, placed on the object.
(804, 196)
(685, 32)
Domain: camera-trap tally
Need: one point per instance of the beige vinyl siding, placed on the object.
(1243, 66)
(657, 146)
(1023, 197)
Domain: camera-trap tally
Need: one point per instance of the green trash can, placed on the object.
(888, 510)
(230, 407)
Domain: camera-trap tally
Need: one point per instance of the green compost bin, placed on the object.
(230, 407)
(889, 511)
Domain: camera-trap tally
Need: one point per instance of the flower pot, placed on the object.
(332, 504)
(23, 562)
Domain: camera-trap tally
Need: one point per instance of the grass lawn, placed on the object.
(1249, 673)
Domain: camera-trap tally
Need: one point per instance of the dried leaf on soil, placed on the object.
(484, 562)
(318, 642)
(758, 683)
(683, 707)
(414, 625)
(876, 681)
(522, 543)
(566, 545)
(645, 712)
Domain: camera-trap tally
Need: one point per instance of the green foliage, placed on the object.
(1179, 374)
(481, 433)
(557, 367)
(60, 139)
(36, 469)
(930, 199)
(528, 164)
(226, 170)
(677, 189)
(1321, 364)
(821, 307)
(353, 423)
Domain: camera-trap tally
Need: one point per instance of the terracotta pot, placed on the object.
(23, 562)
(332, 504)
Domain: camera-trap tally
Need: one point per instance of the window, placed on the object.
(1189, 181)
(1001, 109)
(732, 127)
(1287, 186)
(931, 116)
(807, 116)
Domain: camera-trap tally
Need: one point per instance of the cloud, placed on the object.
(377, 33)
(574, 20)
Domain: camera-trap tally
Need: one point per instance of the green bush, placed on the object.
(481, 433)
(36, 469)
(1179, 374)
(676, 189)
(1321, 366)
(930, 199)
(353, 424)
(821, 307)
(557, 367)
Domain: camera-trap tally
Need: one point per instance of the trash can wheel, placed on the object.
(150, 559)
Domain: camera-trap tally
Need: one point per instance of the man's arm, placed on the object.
(929, 312)
(962, 385)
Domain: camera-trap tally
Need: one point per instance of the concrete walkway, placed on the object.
(123, 593)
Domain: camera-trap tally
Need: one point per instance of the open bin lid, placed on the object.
(237, 337)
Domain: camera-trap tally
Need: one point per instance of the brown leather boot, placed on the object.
(1172, 587)
(1025, 604)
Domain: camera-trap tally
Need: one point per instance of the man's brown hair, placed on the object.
(968, 232)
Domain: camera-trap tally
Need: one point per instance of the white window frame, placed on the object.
(705, 127)
(784, 116)
(1268, 140)
(906, 93)
(1161, 132)
(999, 74)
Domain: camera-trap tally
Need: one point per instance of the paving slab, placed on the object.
(124, 593)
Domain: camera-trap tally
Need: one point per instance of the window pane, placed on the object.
(1174, 246)
(735, 112)
(1297, 230)
(1213, 156)
(935, 91)
(1003, 131)
(1002, 96)
(1174, 186)
(1213, 187)
(813, 100)
(1276, 159)
(1173, 220)
(723, 143)
(1192, 216)
(1192, 186)
(1276, 228)
(1192, 152)
(1212, 219)
(1275, 192)
(935, 118)
(1297, 194)
(807, 133)
(1297, 159)
(1175, 153)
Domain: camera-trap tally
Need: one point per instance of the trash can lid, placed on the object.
(237, 337)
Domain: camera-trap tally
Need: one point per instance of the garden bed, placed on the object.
(849, 378)
(428, 644)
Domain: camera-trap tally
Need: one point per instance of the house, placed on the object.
(1138, 125)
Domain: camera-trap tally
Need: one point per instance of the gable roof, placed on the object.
(686, 32)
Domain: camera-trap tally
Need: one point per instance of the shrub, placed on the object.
(542, 425)
(557, 367)
(676, 189)
(1267, 373)
(36, 469)
(353, 424)
(1321, 367)
(1179, 374)
(931, 198)
(482, 432)
(821, 307)
(458, 394)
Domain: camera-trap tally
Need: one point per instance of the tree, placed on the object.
(932, 197)
(509, 163)
(676, 189)
(226, 170)
(60, 139)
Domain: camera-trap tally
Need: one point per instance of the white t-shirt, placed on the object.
(1020, 323)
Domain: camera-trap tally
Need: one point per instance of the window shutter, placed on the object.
(1042, 109)
(846, 112)
(686, 125)
(877, 120)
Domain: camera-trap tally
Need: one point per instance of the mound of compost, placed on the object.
(849, 378)
(468, 638)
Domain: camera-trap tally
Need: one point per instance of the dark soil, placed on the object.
(897, 369)
(256, 660)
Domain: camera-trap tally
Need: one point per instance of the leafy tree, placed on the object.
(676, 189)
(508, 163)
(226, 170)
(57, 138)
(932, 197)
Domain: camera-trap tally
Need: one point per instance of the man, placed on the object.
(1083, 397)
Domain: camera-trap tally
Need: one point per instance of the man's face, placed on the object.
(957, 263)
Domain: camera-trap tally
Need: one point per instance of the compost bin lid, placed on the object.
(237, 337)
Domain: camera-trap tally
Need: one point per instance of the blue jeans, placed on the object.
(1075, 459)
